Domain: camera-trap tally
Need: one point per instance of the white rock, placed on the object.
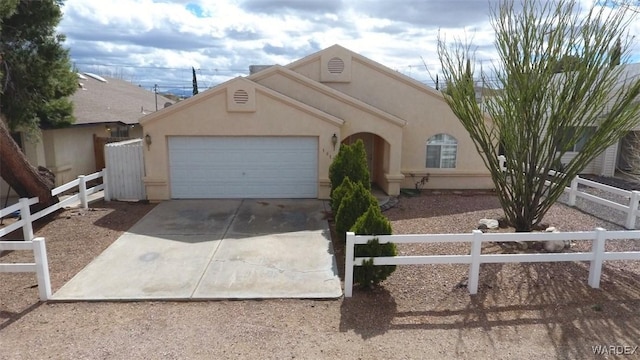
(554, 245)
(552, 229)
(489, 223)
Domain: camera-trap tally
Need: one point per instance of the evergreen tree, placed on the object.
(36, 81)
(37, 76)
(351, 161)
(616, 53)
(372, 222)
(195, 81)
(352, 206)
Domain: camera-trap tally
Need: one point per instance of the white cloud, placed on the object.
(223, 37)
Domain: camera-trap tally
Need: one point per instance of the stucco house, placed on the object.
(275, 132)
(105, 108)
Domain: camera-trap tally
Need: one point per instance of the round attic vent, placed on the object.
(335, 65)
(240, 96)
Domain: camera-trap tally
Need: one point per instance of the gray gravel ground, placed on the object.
(522, 311)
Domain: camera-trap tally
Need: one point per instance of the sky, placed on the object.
(152, 42)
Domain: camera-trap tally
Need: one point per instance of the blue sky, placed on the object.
(158, 41)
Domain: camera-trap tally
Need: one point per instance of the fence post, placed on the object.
(474, 268)
(573, 191)
(633, 210)
(42, 268)
(25, 216)
(597, 248)
(502, 160)
(105, 182)
(348, 265)
(82, 185)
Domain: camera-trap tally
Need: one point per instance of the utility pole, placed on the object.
(155, 90)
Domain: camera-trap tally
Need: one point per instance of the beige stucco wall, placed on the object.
(425, 111)
(69, 152)
(358, 117)
(207, 115)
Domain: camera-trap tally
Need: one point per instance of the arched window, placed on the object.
(442, 150)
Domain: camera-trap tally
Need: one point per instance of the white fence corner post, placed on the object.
(597, 249)
(25, 216)
(573, 191)
(42, 268)
(82, 186)
(348, 265)
(105, 182)
(474, 268)
(633, 210)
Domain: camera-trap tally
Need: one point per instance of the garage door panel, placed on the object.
(243, 167)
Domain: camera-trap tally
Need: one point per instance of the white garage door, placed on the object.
(243, 167)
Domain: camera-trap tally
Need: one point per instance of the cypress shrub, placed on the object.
(372, 222)
(350, 161)
(353, 205)
(339, 193)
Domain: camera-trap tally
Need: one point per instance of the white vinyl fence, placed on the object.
(595, 257)
(125, 170)
(40, 266)
(630, 209)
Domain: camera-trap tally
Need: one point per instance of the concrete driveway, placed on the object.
(216, 249)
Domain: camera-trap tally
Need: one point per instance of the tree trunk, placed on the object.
(23, 177)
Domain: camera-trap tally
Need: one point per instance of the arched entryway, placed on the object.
(377, 155)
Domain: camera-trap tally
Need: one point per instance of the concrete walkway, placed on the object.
(216, 249)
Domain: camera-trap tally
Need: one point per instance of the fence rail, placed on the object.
(40, 266)
(596, 256)
(37, 245)
(630, 209)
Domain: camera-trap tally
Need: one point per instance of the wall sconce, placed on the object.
(334, 141)
(147, 140)
(107, 128)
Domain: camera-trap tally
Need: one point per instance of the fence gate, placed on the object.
(125, 170)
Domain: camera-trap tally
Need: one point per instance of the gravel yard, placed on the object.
(523, 311)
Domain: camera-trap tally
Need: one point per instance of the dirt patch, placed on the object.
(523, 311)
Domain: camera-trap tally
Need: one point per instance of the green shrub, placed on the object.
(373, 222)
(353, 205)
(339, 193)
(350, 161)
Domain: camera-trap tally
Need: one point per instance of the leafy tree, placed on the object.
(195, 81)
(352, 206)
(372, 222)
(350, 161)
(37, 71)
(537, 107)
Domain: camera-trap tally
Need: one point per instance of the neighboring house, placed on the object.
(105, 109)
(617, 155)
(274, 133)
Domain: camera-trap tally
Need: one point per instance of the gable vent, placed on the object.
(335, 65)
(240, 97)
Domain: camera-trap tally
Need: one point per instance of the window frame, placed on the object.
(447, 146)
